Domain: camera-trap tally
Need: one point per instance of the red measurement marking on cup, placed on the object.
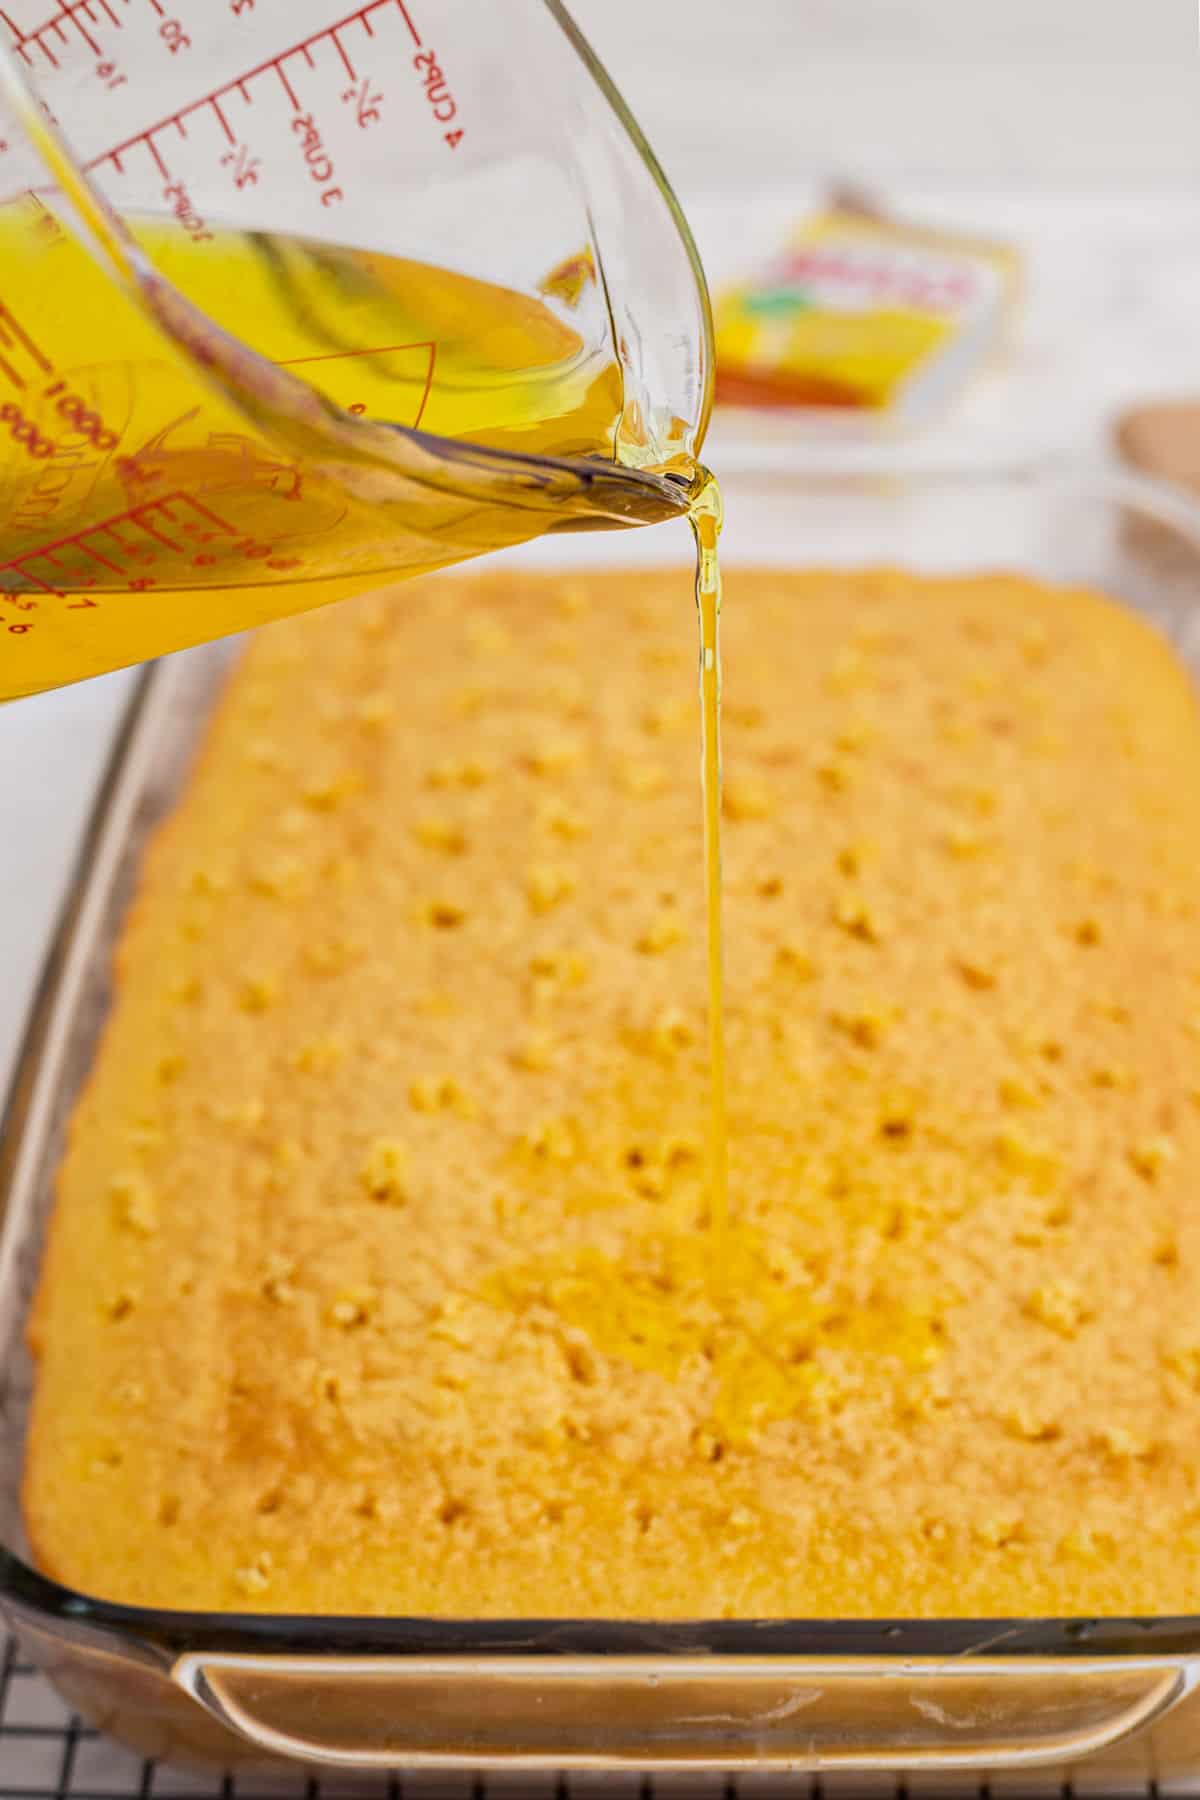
(338, 34)
(442, 104)
(73, 411)
(122, 545)
(365, 100)
(80, 15)
(242, 166)
(16, 341)
(295, 362)
(24, 433)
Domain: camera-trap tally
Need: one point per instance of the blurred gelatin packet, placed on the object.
(862, 323)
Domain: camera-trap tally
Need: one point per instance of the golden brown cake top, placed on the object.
(381, 1280)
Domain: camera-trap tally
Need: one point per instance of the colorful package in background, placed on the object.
(860, 314)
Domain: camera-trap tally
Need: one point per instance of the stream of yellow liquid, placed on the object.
(706, 518)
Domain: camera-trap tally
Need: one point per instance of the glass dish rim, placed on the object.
(172, 1631)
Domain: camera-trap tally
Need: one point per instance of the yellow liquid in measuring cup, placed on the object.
(140, 511)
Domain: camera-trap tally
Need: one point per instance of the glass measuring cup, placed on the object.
(291, 303)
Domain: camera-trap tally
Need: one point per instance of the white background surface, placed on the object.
(1072, 126)
(1064, 92)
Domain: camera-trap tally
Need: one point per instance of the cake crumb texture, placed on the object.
(381, 1279)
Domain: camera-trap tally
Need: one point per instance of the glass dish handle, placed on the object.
(713, 1712)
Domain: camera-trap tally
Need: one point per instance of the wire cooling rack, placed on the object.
(47, 1753)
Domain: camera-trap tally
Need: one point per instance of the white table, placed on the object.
(1061, 92)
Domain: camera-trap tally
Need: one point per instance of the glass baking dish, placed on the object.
(1108, 1703)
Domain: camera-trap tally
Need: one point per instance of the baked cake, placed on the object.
(381, 1278)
